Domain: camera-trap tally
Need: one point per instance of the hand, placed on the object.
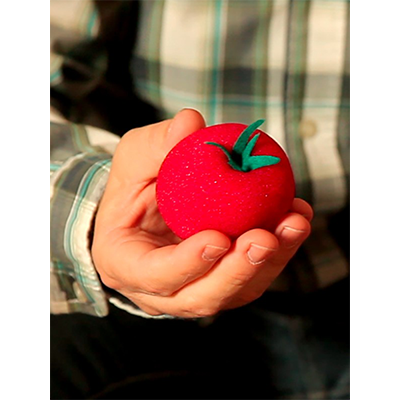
(136, 254)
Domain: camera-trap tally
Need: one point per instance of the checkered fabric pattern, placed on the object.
(286, 61)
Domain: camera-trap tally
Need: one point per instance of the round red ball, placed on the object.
(198, 189)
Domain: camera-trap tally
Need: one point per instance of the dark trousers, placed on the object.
(280, 346)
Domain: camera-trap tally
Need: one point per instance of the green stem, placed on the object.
(241, 158)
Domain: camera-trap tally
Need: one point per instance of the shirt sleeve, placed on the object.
(78, 174)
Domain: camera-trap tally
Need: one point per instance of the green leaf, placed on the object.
(246, 155)
(255, 162)
(242, 140)
(241, 153)
(231, 162)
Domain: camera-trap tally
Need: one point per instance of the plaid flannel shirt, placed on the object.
(235, 61)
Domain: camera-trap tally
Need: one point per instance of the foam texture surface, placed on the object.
(197, 189)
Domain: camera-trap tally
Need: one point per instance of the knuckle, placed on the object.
(165, 293)
(238, 280)
(158, 289)
(197, 309)
(204, 312)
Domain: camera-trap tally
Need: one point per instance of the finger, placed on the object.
(161, 271)
(208, 294)
(301, 207)
(291, 233)
(141, 151)
(136, 164)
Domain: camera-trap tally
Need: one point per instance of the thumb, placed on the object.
(141, 151)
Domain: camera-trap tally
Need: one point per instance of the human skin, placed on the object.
(136, 254)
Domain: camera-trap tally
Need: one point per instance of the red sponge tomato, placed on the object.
(226, 177)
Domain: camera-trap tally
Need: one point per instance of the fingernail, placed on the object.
(197, 110)
(190, 108)
(257, 254)
(291, 237)
(173, 119)
(212, 253)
